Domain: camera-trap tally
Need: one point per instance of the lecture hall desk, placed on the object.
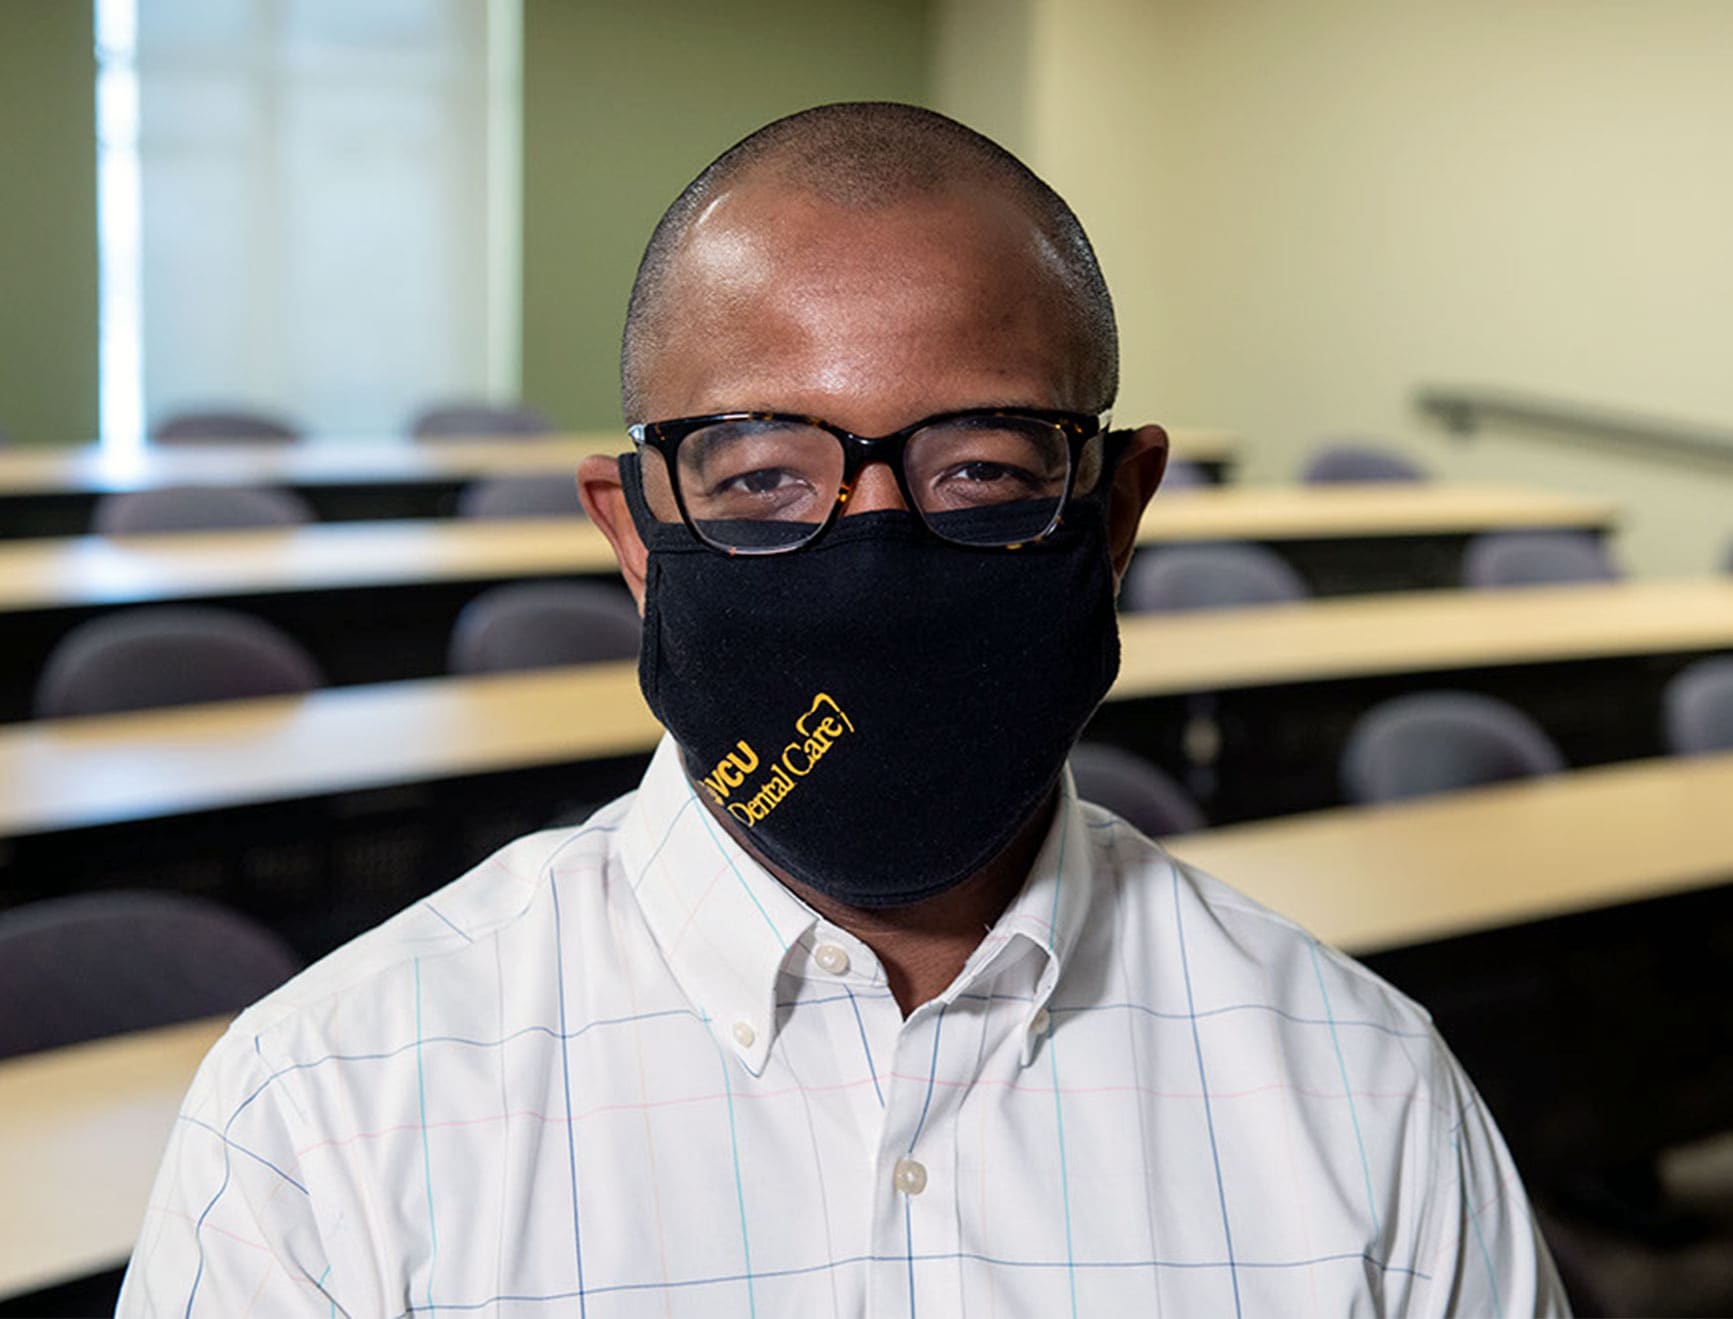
(1571, 937)
(1540, 890)
(377, 601)
(322, 808)
(50, 492)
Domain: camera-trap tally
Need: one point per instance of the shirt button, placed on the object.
(910, 1177)
(831, 958)
(744, 1034)
(1041, 1022)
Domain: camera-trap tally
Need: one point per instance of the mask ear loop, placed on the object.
(632, 485)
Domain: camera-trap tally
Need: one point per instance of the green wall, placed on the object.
(623, 104)
(47, 221)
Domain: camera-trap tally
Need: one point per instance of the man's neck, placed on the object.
(923, 945)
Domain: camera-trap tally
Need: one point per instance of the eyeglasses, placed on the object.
(771, 482)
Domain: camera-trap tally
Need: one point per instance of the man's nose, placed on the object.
(875, 490)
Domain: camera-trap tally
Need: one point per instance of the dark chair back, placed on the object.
(1536, 558)
(1354, 460)
(1133, 789)
(532, 495)
(463, 418)
(220, 426)
(79, 968)
(1186, 577)
(197, 508)
(1432, 742)
(1697, 708)
(162, 655)
(538, 625)
(1183, 475)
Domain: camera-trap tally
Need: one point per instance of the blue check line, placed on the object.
(566, 1076)
(1479, 1234)
(872, 1069)
(426, 1151)
(236, 1145)
(222, 1186)
(739, 1186)
(1203, 1084)
(1058, 1102)
(1347, 1089)
(383, 1055)
(709, 828)
(428, 903)
(691, 800)
(1226, 1008)
(940, 1257)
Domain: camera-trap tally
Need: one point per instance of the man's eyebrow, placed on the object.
(713, 440)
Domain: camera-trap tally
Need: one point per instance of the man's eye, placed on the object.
(988, 471)
(761, 481)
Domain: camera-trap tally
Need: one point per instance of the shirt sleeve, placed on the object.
(231, 1227)
(1479, 1241)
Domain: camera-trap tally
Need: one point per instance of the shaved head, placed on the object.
(876, 156)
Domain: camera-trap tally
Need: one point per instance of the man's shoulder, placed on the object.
(456, 924)
(1235, 946)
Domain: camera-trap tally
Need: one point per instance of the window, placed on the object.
(310, 206)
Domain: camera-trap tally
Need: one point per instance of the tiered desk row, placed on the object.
(323, 813)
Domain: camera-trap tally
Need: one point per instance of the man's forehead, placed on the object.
(766, 229)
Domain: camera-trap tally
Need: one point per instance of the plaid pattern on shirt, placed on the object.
(619, 1070)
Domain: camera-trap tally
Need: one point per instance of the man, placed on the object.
(853, 1008)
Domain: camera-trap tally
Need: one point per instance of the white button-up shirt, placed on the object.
(620, 1070)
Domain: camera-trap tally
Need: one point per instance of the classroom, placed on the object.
(311, 332)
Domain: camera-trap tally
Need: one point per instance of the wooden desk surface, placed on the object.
(1370, 879)
(1420, 632)
(109, 768)
(82, 571)
(83, 772)
(363, 460)
(1328, 512)
(82, 1131)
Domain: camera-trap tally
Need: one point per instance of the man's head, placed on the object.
(869, 160)
(871, 264)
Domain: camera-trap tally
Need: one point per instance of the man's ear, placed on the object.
(1134, 484)
(604, 500)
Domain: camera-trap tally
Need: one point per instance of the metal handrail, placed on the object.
(1463, 410)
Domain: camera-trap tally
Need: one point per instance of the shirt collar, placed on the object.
(725, 924)
(1047, 913)
(728, 927)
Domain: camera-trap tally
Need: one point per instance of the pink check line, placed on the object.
(1064, 1091)
(168, 1211)
(784, 1091)
(560, 1120)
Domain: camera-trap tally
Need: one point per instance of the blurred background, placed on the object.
(1307, 213)
(309, 307)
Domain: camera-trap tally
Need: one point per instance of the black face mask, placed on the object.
(881, 711)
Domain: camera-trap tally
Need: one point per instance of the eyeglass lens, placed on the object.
(761, 486)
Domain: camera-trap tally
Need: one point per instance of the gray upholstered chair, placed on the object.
(464, 418)
(218, 426)
(531, 495)
(1432, 742)
(1133, 789)
(538, 625)
(160, 655)
(1183, 475)
(197, 508)
(1697, 708)
(1223, 576)
(1355, 460)
(79, 968)
(1536, 558)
